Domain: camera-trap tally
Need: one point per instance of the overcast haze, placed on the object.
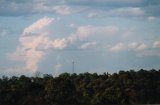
(99, 35)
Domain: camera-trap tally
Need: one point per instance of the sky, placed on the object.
(98, 35)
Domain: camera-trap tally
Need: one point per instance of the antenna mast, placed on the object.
(73, 66)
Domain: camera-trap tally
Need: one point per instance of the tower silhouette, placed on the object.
(73, 66)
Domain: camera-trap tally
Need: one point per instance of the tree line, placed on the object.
(122, 88)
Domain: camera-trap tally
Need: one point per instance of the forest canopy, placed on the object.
(123, 88)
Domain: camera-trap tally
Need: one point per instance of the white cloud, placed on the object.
(124, 12)
(40, 7)
(142, 46)
(30, 55)
(72, 25)
(31, 58)
(137, 46)
(30, 7)
(156, 44)
(118, 47)
(4, 31)
(87, 45)
(62, 9)
(60, 43)
(151, 18)
(55, 8)
(32, 48)
(92, 14)
(38, 25)
(85, 31)
(128, 11)
(41, 41)
(34, 43)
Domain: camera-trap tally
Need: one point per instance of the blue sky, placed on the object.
(99, 35)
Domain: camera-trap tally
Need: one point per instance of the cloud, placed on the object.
(72, 25)
(156, 44)
(41, 41)
(115, 12)
(116, 8)
(30, 7)
(151, 18)
(85, 31)
(87, 45)
(107, 3)
(136, 46)
(38, 25)
(64, 10)
(66, 7)
(128, 11)
(60, 43)
(31, 58)
(4, 31)
(34, 42)
(152, 50)
(139, 48)
(118, 47)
